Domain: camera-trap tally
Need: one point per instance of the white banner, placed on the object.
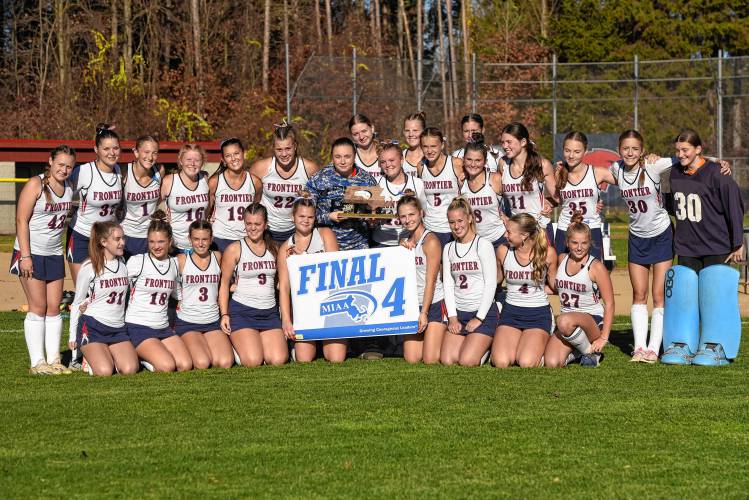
(357, 293)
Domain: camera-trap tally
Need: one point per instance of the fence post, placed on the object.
(637, 93)
(719, 118)
(554, 95)
(353, 82)
(288, 87)
(474, 83)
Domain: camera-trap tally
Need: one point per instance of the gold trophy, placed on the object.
(364, 202)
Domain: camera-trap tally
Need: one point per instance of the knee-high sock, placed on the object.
(33, 329)
(578, 340)
(52, 335)
(656, 330)
(639, 314)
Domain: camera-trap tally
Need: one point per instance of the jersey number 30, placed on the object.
(688, 207)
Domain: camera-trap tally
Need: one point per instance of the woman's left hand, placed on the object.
(598, 344)
(736, 256)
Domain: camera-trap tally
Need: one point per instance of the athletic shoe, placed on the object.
(86, 368)
(591, 360)
(650, 357)
(371, 356)
(60, 368)
(487, 354)
(638, 356)
(42, 368)
(677, 354)
(710, 355)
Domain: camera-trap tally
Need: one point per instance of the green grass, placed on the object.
(380, 429)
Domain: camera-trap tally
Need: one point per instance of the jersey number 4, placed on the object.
(688, 207)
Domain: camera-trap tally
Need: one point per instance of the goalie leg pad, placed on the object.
(681, 316)
(719, 315)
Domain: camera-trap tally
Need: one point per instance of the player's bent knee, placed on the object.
(164, 365)
(201, 362)
(276, 360)
(128, 368)
(223, 362)
(529, 361)
(103, 371)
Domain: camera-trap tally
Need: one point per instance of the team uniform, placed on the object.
(105, 295)
(439, 190)
(185, 206)
(408, 167)
(581, 197)
(372, 169)
(526, 305)
(228, 210)
(152, 283)
(140, 204)
(650, 233)
(577, 292)
(436, 312)
(100, 195)
(279, 194)
(469, 275)
(327, 188)
(517, 200)
(492, 164)
(316, 243)
(389, 233)
(45, 235)
(198, 310)
(486, 211)
(253, 304)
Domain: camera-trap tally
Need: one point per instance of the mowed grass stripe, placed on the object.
(381, 429)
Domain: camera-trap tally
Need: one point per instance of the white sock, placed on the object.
(33, 328)
(52, 334)
(639, 314)
(656, 330)
(236, 357)
(578, 340)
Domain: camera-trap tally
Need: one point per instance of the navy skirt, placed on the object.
(181, 327)
(46, 267)
(140, 333)
(647, 251)
(242, 316)
(487, 327)
(90, 330)
(526, 318)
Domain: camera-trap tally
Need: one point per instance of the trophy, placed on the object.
(364, 202)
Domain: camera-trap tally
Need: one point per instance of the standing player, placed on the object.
(42, 208)
(427, 343)
(231, 188)
(197, 312)
(99, 188)
(363, 134)
(101, 288)
(584, 324)
(141, 193)
(153, 280)
(413, 126)
(483, 190)
(307, 239)
(442, 176)
(470, 125)
(527, 265)
(251, 316)
(527, 177)
(283, 176)
(186, 193)
(327, 188)
(469, 274)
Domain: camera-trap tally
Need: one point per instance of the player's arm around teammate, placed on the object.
(37, 260)
(427, 343)
(584, 325)
(469, 274)
(153, 280)
(307, 239)
(413, 125)
(251, 316)
(198, 315)
(102, 286)
(527, 265)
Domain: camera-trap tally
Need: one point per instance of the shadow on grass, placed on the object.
(622, 340)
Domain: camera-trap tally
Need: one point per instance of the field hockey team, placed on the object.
(204, 282)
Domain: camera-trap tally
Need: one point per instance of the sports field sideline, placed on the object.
(378, 429)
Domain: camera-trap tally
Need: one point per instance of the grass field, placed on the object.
(376, 429)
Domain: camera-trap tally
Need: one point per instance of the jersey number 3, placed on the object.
(688, 207)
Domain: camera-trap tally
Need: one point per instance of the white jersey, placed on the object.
(316, 243)
(647, 217)
(255, 278)
(407, 167)
(47, 222)
(492, 164)
(522, 290)
(577, 292)
(105, 294)
(520, 201)
(280, 192)
(140, 203)
(439, 190)
(229, 206)
(152, 283)
(199, 291)
(389, 232)
(486, 209)
(472, 286)
(581, 197)
(421, 273)
(100, 194)
(185, 206)
(372, 169)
